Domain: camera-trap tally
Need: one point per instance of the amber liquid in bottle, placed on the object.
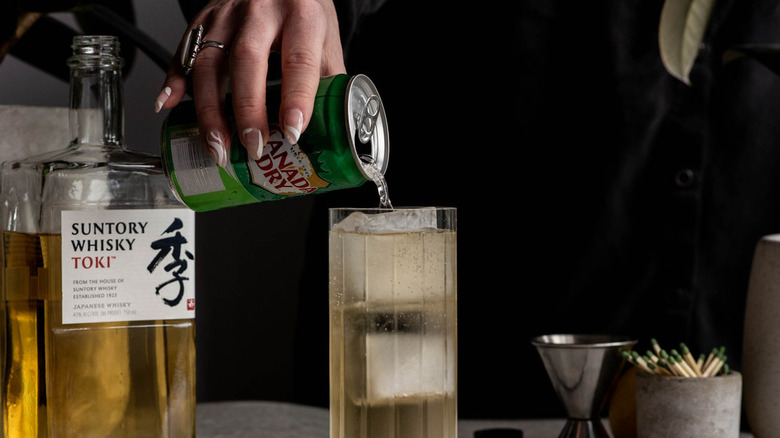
(99, 379)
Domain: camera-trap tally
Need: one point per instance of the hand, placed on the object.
(304, 32)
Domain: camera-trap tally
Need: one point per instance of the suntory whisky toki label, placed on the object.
(128, 265)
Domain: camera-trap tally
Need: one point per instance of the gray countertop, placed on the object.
(261, 419)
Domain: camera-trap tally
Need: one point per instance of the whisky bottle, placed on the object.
(97, 279)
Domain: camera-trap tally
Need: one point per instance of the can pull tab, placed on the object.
(366, 120)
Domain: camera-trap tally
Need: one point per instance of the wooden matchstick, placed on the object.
(715, 366)
(688, 357)
(656, 346)
(662, 363)
(679, 367)
(659, 369)
(650, 355)
(640, 362)
(709, 359)
(673, 367)
(684, 365)
(653, 368)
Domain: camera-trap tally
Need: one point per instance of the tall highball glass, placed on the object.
(393, 323)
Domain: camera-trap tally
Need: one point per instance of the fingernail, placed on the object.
(253, 141)
(161, 98)
(293, 124)
(217, 148)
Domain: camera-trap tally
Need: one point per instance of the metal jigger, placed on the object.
(583, 369)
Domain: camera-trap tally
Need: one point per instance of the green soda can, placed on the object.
(345, 144)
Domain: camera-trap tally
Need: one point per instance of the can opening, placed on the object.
(367, 122)
(364, 150)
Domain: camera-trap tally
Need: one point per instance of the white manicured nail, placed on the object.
(217, 148)
(161, 98)
(253, 141)
(293, 124)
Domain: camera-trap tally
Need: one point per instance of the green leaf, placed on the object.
(680, 33)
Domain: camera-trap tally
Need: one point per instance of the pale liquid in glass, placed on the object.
(393, 330)
(87, 380)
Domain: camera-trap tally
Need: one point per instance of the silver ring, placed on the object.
(193, 44)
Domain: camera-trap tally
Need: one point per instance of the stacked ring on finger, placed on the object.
(193, 44)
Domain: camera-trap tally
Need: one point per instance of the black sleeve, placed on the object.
(191, 7)
(350, 13)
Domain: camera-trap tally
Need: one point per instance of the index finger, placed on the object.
(174, 86)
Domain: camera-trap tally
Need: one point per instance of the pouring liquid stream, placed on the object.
(381, 183)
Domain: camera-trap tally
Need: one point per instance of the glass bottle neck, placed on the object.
(96, 107)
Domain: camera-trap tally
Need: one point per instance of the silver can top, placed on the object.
(367, 124)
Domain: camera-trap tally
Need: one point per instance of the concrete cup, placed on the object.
(693, 407)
